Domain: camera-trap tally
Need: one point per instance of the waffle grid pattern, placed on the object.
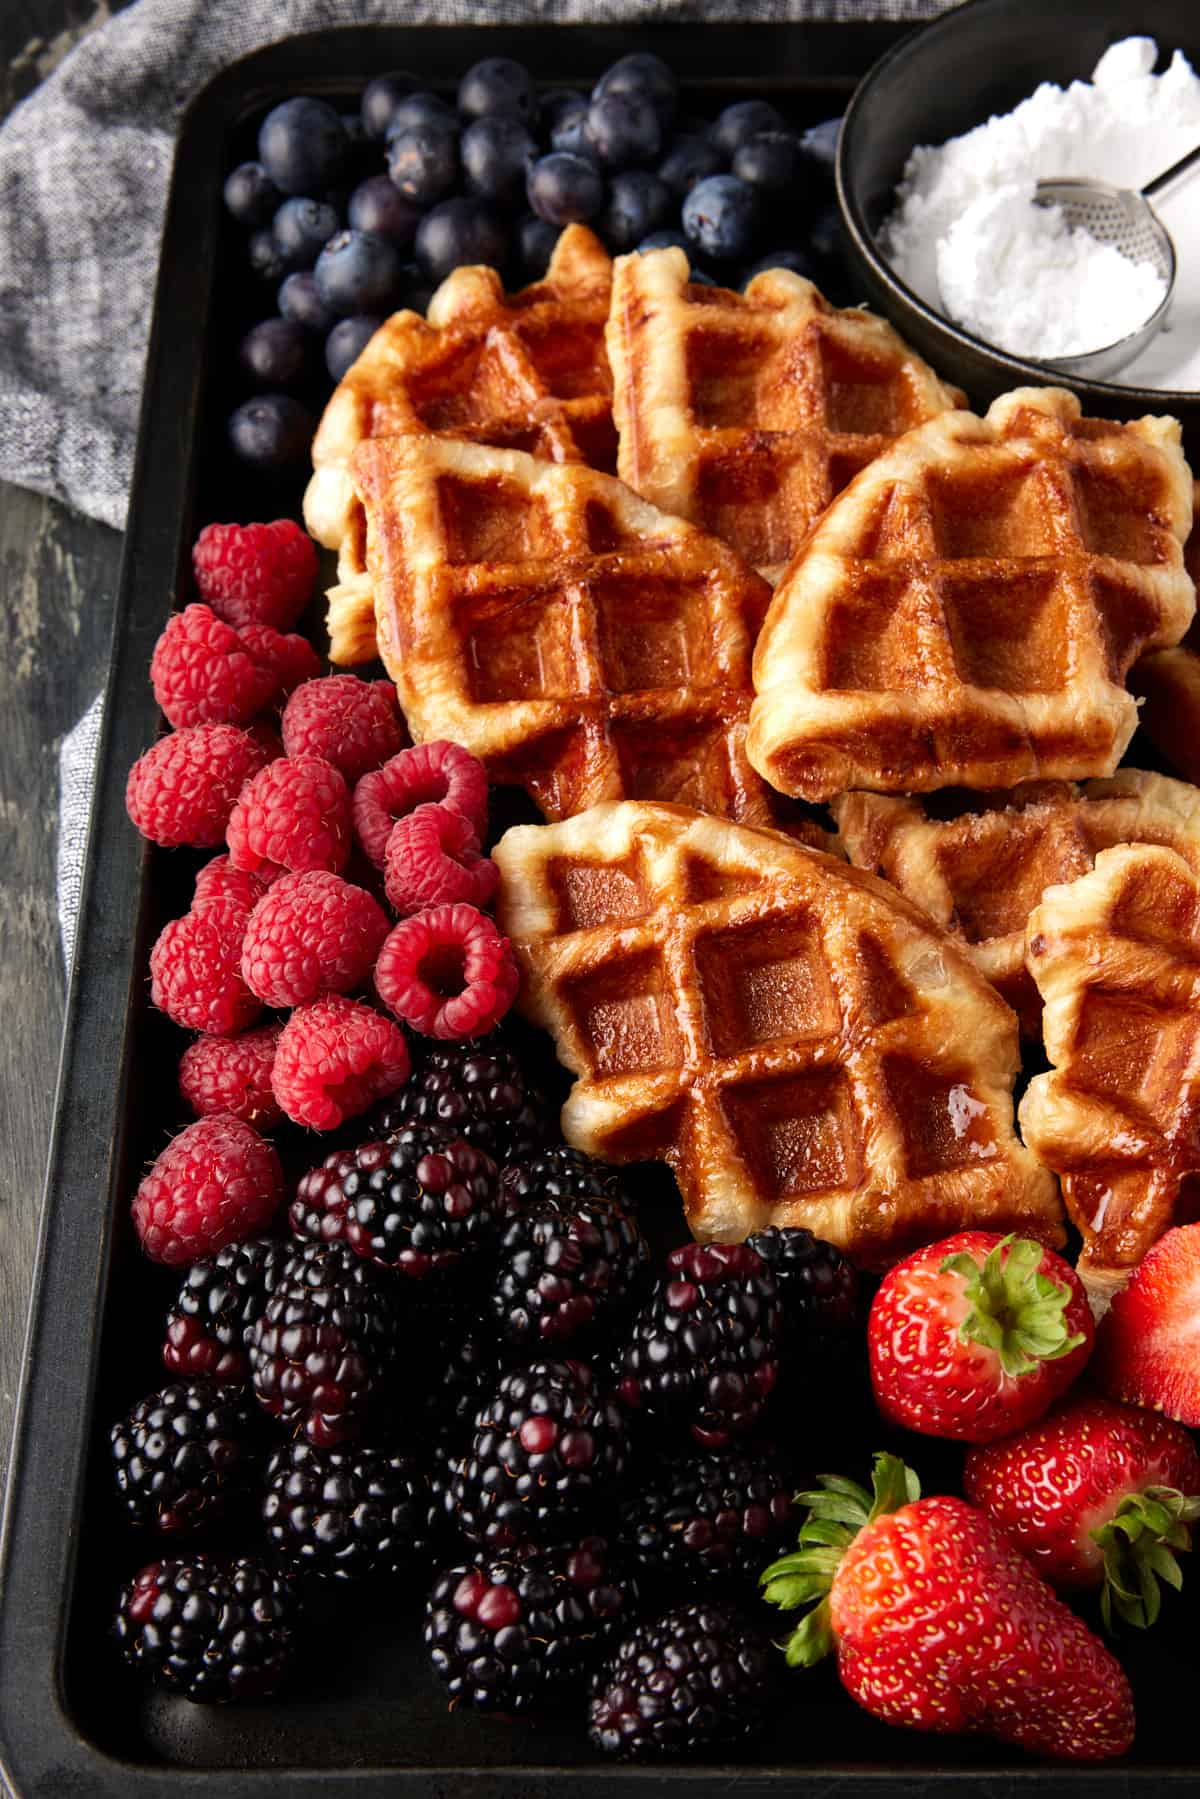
(787, 1033)
(966, 613)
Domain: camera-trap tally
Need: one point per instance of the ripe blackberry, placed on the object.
(318, 1209)
(703, 1349)
(219, 1299)
(323, 1352)
(819, 1290)
(347, 1514)
(704, 1519)
(478, 1089)
(546, 1448)
(555, 1171)
(567, 1262)
(519, 1631)
(698, 1676)
(422, 1202)
(185, 1455)
(465, 1368)
(211, 1629)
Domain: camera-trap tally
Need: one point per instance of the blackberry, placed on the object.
(568, 1261)
(212, 1629)
(185, 1455)
(546, 1448)
(555, 1172)
(318, 1209)
(347, 1514)
(819, 1290)
(703, 1349)
(422, 1202)
(323, 1352)
(466, 1368)
(519, 1631)
(696, 1677)
(478, 1090)
(219, 1300)
(704, 1519)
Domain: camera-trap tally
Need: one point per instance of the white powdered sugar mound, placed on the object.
(967, 237)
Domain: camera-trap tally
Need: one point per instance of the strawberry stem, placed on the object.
(1139, 1543)
(1016, 1310)
(838, 1510)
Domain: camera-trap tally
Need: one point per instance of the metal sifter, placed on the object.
(1124, 218)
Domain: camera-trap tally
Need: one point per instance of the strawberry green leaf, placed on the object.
(812, 1639)
(1015, 1310)
(1139, 1544)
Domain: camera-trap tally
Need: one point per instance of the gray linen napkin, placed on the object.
(84, 163)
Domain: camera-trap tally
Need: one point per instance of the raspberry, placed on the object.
(183, 789)
(256, 574)
(335, 1058)
(196, 971)
(354, 724)
(292, 815)
(311, 934)
(214, 1183)
(291, 659)
(220, 880)
(447, 972)
(433, 859)
(441, 773)
(202, 672)
(232, 1075)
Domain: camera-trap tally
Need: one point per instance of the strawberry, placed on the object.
(1148, 1347)
(976, 1336)
(1095, 1495)
(940, 1624)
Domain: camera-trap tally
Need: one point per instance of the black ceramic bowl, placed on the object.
(953, 74)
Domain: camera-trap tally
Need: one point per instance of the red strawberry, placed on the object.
(940, 1624)
(976, 1336)
(1095, 1495)
(1148, 1348)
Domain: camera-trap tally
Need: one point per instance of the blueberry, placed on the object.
(646, 77)
(423, 163)
(301, 145)
(689, 160)
(378, 206)
(745, 118)
(570, 133)
(346, 342)
(820, 143)
(272, 431)
(638, 203)
(497, 84)
(798, 261)
(665, 240)
(358, 272)
(496, 152)
(274, 353)
(560, 103)
(300, 300)
(421, 109)
(720, 217)
(623, 129)
(380, 99)
(266, 258)
(563, 189)
(461, 230)
(536, 239)
(301, 229)
(773, 160)
(250, 194)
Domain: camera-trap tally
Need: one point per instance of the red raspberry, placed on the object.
(447, 972)
(312, 934)
(232, 1075)
(215, 1183)
(196, 971)
(335, 1058)
(354, 724)
(202, 673)
(183, 789)
(439, 773)
(291, 659)
(291, 815)
(220, 880)
(433, 859)
(256, 574)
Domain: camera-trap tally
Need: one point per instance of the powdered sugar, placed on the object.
(965, 227)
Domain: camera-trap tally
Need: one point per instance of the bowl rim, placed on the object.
(1030, 373)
